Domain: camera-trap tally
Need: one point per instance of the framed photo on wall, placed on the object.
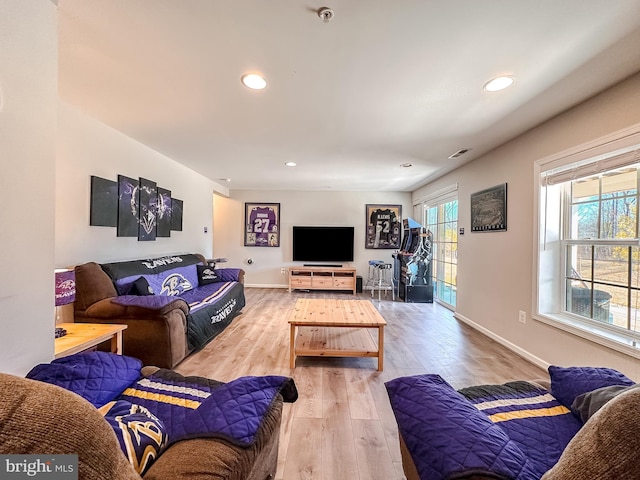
(383, 226)
(489, 209)
(261, 224)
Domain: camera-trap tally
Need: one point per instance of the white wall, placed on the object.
(87, 147)
(495, 270)
(28, 102)
(325, 208)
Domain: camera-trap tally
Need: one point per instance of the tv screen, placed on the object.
(323, 244)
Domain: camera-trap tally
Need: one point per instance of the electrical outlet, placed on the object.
(283, 271)
(522, 316)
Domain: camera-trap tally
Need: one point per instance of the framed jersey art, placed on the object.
(383, 226)
(261, 224)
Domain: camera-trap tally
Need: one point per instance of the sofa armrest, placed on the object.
(92, 285)
(606, 446)
(40, 417)
(155, 336)
(210, 458)
(132, 306)
(231, 274)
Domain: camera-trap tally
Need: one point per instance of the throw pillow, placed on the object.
(141, 287)
(142, 436)
(206, 275)
(587, 404)
(569, 382)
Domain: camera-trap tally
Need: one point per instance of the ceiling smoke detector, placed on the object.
(459, 153)
(326, 14)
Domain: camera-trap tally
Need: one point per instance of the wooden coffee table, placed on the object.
(81, 336)
(327, 337)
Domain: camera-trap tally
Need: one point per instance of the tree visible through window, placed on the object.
(602, 283)
(588, 259)
(442, 220)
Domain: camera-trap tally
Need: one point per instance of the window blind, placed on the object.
(592, 166)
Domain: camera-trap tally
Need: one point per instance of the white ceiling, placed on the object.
(383, 83)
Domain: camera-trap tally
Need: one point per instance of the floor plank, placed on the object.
(374, 459)
(342, 425)
(339, 459)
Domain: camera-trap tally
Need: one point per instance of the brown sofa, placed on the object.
(158, 336)
(602, 402)
(41, 418)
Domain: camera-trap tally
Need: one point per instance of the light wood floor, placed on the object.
(342, 426)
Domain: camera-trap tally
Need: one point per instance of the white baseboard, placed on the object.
(504, 342)
(265, 285)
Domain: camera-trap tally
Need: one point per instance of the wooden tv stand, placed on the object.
(322, 278)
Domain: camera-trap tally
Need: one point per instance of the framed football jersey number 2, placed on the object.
(383, 226)
(261, 224)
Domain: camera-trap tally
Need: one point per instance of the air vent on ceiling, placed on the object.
(459, 153)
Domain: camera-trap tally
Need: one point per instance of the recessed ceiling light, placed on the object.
(290, 164)
(253, 81)
(499, 83)
(224, 180)
(406, 165)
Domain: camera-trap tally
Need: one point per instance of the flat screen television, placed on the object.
(322, 244)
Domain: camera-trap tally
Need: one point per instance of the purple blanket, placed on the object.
(194, 407)
(517, 430)
(98, 377)
(187, 407)
(448, 437)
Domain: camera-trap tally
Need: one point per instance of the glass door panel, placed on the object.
(442, 220)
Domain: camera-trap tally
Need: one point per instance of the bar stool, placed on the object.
(372, 277)
(382, 280)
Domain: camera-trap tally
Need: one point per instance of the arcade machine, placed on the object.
(412, 264)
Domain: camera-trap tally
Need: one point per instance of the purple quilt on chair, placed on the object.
(188, 407)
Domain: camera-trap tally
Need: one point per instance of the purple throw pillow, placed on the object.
(569, 382)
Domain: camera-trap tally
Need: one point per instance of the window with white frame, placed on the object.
(588, 258)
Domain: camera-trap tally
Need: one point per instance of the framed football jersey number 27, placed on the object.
(383, 226)
(261, 224)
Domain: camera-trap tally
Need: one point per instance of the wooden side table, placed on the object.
(81, 336)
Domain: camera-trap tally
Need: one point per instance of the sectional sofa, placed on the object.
(172, 305)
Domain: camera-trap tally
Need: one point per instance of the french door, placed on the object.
(441, 217)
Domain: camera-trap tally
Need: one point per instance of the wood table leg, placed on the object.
(116, 343)
(292, 347)
(380, 348)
